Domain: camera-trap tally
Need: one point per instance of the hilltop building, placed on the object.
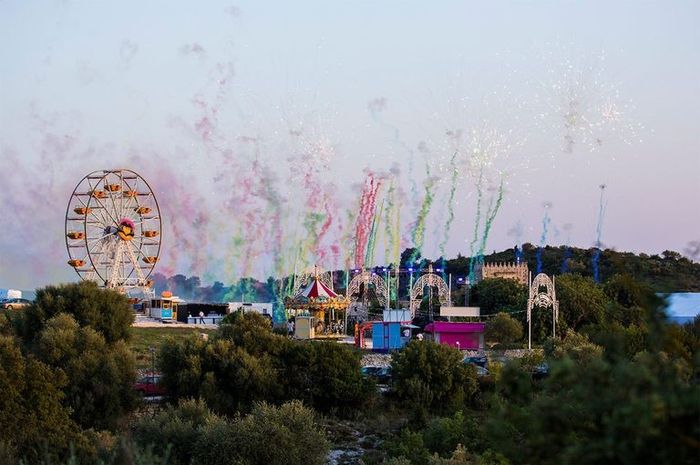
(516, 271)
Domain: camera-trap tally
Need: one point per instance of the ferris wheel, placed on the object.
(113, 230)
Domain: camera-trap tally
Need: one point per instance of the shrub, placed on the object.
(433, 377)
(175, 431)
(100, 375)
(106, 311)
(504, 329)
(34, 422)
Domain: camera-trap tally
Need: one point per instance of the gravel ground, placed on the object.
(376, 360)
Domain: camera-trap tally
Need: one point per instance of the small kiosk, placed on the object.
(166, 307)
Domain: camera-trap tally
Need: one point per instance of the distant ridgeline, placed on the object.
(668, 272)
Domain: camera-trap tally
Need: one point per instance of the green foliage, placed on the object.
(408, 446)
(442, 435)
(251, 331)
(245, 362)
(462, 456)
(143, 338)
(175, 431)
(33, 420)
(581, 301)
(503, 328)
(613, 411)
(192, 434)
(75, 369)
(107, 312)
(575, 346)
(285, 435)
(432, 376)
(442, 440)
(326, 375)
(499, 295)
(100, 375)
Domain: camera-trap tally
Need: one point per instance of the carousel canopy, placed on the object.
(317, 289)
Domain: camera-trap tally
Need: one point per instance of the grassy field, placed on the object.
(143, 338)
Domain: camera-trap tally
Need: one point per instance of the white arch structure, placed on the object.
(432, 280)
(366, 277)
(545, 299)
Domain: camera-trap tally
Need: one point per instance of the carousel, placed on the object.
(317, 311)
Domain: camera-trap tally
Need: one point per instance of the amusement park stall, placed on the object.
(464, 336)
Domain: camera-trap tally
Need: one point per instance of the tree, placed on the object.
(245, 362)
(504, 329)
(100, 375)
(325, 375)
(500, 295)
(581, 301)
(33, 420)
(432, 376)
(250, 331)
(106, 311)
(191, 434)
(227, 376)
(81, 331)
(614, 411)
(176, 431)
(298, 438)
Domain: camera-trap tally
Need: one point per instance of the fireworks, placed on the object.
(248, 198)
(584, 108)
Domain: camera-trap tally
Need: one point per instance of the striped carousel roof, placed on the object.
(317, 289)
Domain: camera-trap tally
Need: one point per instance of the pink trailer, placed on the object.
(463, 336)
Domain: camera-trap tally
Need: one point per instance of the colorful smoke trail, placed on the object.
(418, 233)
(365, 218)
(372, 240)
(454, 173)
(595, 260)
(543, 237)
(492, 211)
(474, 259)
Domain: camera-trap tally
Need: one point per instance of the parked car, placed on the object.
(540, 371)
(382, 375)
(14, 303)
(149, 386)
(481, 361)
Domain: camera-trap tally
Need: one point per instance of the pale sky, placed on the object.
(189, 93)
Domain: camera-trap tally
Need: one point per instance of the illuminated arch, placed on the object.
(545, 299)
(367, 278)
(432, 280)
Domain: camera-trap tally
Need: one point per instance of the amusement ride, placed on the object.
(113, 230)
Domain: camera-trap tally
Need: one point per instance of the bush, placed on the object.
(106, 311)
(192, 434)
(326, 375)
(443, 435)
(34, 422)
(235, 369)
(293, 430)
(504, 329)
(575, 346)
(433, 377)
(100, 375)
(176, 431)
